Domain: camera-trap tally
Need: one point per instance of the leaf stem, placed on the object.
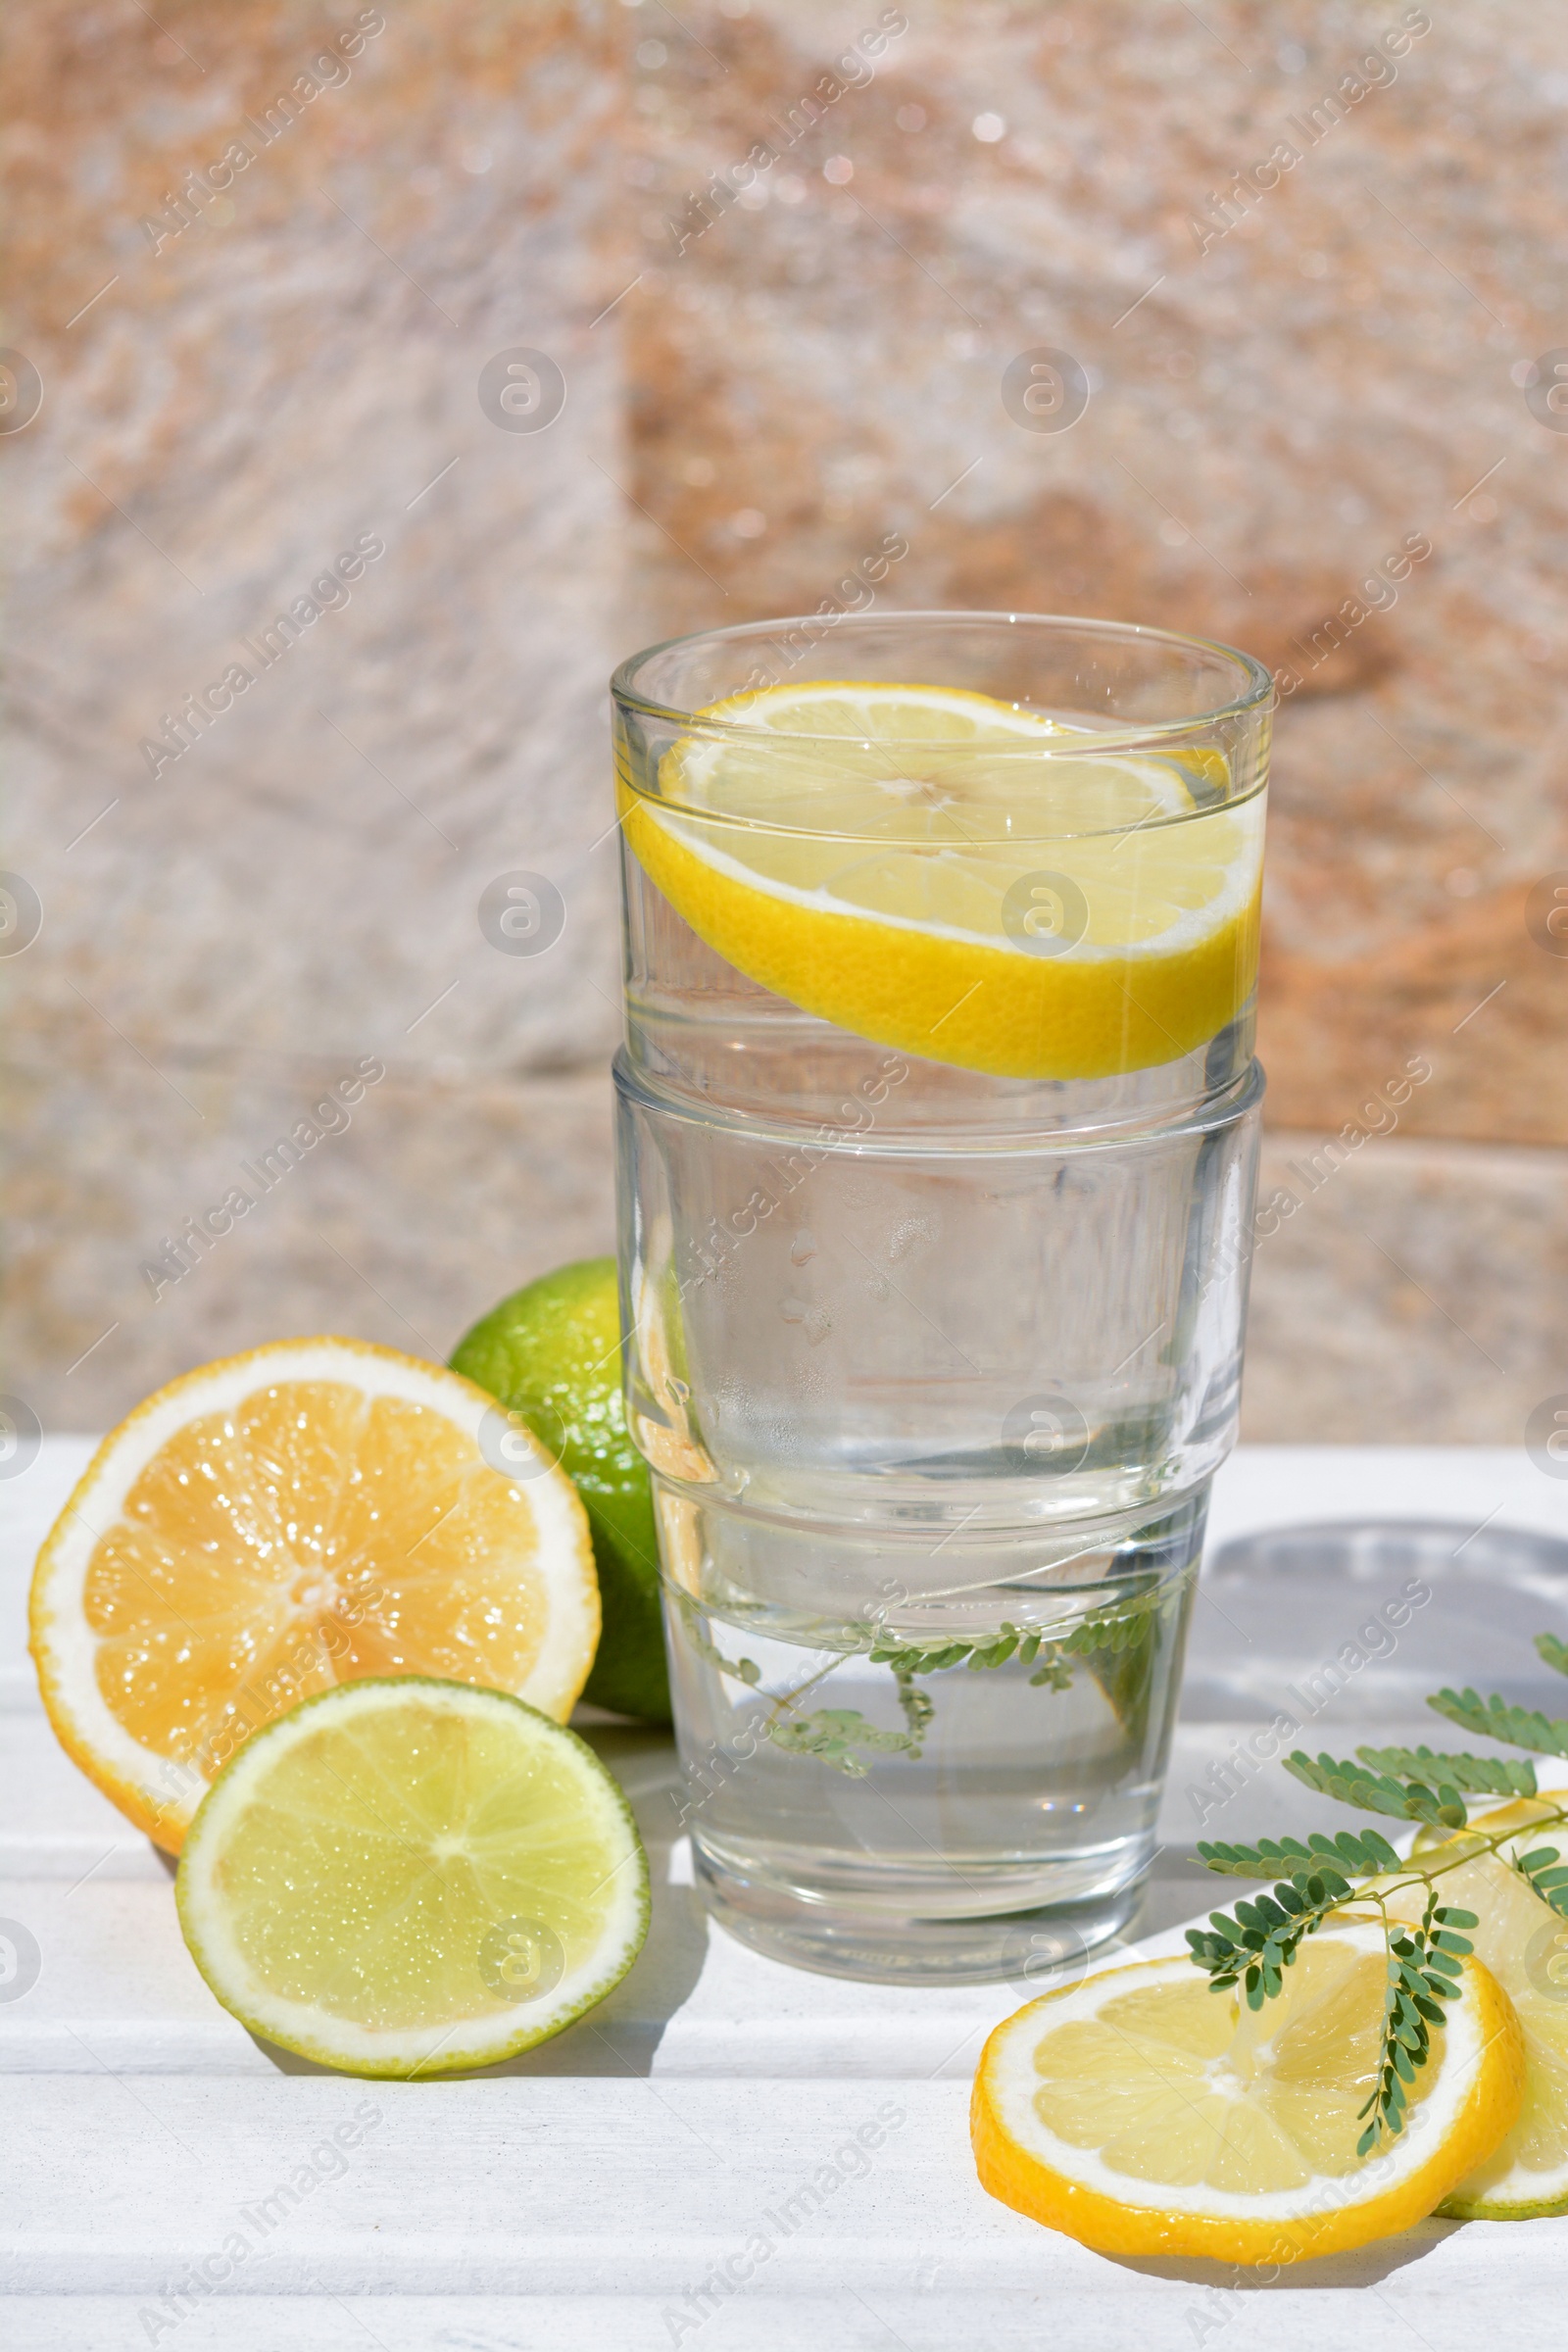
(1475, 1844)
(787, 1699)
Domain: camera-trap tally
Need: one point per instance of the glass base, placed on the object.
(1034, 1950)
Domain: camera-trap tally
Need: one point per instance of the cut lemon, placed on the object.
(1142, 2113)
(413, 1878)
(1525, 1944)
(961, 878)
(299, 1516)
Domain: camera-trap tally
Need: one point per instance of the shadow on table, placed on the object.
(1178, 1889)
(621, 2036)
(1360, 2267)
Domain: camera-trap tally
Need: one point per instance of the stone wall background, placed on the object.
(749, 410)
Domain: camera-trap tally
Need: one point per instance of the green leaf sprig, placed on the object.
(1110, 1639)
(1315, 1881)
(1477, 1776)
(1356, 1784)
(1519, 1726)
(935, 1658)
(1424, 1965)
(837, 1736)
(1112, 1630)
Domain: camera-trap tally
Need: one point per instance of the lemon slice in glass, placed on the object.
(409, 1878)
(1142, 2113)
(961, 878)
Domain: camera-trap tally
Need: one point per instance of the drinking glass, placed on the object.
(937, 1136)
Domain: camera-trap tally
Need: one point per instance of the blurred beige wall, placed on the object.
(1318, 423)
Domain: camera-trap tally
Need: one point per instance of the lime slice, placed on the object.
(409, 1877)
(962, 878)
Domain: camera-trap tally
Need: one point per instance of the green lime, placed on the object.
(407, 1878)
(551, 1353)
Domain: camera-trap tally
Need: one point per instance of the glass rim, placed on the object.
(1259, 695)
(1143, 1130)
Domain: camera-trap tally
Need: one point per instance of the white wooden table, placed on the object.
(165, 2180)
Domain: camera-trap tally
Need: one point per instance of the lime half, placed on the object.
(409, 1877)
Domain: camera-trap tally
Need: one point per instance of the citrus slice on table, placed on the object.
(1142, 2113)
(286, 1520)
(409, 1878)
(1525, 1944)
(962, 878)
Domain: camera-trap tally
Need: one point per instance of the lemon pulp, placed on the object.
(264, 1528)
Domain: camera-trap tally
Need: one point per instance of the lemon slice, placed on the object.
(1142, 2114)
(961, 878)
(413, 1878)
(1525, 1944)
(283, 1521)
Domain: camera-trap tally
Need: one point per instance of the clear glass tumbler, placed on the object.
(938, 1121)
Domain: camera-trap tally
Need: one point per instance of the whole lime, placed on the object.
(551, 1353)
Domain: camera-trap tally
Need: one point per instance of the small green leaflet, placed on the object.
(1545, 1872)
(1354, 1784)
(1481, 1776)
(1516, 1727)
(1552, 1652)
(1366, 1853)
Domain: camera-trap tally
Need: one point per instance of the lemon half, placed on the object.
(961, 878)
(283, 1521)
